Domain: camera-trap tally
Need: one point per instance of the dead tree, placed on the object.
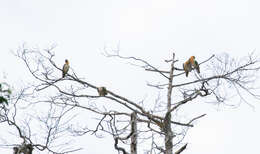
(239, 74)
(156, 125)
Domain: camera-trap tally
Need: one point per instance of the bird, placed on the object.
(187, 66)
(102, 91)
(190, 64)
(196, 66)
(65, 68)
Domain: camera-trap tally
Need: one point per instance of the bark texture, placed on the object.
(134, 131)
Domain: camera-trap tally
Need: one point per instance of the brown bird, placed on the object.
(187, 66)
(190, 64)
(65, 68)
(102, 91)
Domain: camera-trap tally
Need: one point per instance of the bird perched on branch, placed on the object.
(102, 91)
(65, 68)
(190, 64)
(196, 66)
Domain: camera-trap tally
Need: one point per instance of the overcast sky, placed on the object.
(149, 29)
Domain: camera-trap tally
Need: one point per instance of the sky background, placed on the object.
(149, 29)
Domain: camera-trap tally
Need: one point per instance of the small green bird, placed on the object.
(196, 66)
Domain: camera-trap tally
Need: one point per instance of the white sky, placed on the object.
(149, 29)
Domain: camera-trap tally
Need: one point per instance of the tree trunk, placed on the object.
(134, 131)
(167, 119)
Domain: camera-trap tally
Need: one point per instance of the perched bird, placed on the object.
(102, 91)
(197, 66)
(65, 68)
(187, 66)
(190, 64)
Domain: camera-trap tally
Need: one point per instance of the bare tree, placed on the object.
(222, 73)
(34, 130)
(128, 121)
